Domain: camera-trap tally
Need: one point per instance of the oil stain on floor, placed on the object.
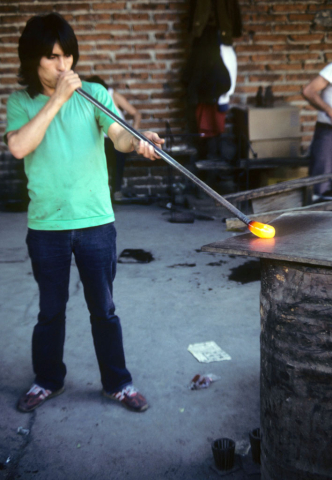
(246, 273)
(132, 255)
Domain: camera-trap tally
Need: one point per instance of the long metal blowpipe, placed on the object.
(259, 229)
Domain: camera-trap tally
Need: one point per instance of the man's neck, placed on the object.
(48, 91)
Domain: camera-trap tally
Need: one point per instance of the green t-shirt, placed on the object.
(67, 172)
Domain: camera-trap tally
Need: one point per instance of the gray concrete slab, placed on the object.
(182, 297)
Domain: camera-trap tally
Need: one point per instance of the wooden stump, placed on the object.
(296, 371)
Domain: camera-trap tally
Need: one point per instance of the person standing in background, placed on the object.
(319, 94)
(116, 160)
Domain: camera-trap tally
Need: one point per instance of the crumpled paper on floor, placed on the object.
(208, 352)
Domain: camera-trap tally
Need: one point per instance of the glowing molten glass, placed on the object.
(261, 230)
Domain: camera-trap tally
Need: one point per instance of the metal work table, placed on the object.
(296, 343)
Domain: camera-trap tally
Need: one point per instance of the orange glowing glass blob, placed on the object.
(261, 230)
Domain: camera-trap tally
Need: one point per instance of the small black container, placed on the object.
(255, 442)
(223, 453)
(182, 217)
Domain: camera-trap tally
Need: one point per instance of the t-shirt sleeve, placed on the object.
(17, 115)
(102, 95)
(327, 73)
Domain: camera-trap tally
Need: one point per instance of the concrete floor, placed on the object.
(182, 297)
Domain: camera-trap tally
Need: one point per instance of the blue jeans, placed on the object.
(321, 155)
(95, 254)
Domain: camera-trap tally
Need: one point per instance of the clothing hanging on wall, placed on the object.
(229, 58)
(205, 74)
(210, 122)
(211, 70)
(227, 15)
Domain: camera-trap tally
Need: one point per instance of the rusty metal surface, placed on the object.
(302, 237)
(296, 371)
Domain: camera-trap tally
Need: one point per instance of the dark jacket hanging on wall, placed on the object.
(205, 75)
(228, 18)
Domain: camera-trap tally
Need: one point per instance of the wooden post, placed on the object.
(296, 344)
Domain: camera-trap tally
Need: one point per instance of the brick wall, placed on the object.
(285, 44)
(140, 46)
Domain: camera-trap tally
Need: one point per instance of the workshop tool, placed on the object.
(259, 229)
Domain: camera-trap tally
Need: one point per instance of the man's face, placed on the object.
(50, 68)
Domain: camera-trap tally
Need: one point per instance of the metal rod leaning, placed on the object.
(218, 198)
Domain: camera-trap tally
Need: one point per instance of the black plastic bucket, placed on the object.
(223, 453)
(255, 443)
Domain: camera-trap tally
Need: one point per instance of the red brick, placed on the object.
(14, 19)
(125, 76)
(307, 128)
(85, 47)
(8, 70)
(93, 37)
(244, 59)
(294, 98)
(150, 6)
(149, 27)
(301, 17)
(35, 9)
(258, 8)
(151, 46)
(127, 17)
(304, 56)
(146, 86)
(322, 47)
(286, 88)
(292, 28)
(290, 48)
(268, 19)
(69, 7)
(303, 77)
(169, 56)
(293, 7)
(266, 78)
(12, 49)
(133, 56)
(84, 68)
(270, 38)
(250, 29)
(8, 81)
(8, 9)
(6, 60)
(317, 8)
(285, 66)
(251, 48)
(86, 58)
(7, 29)
(246, 89)
(268, 58)
(250, 67)
(175, 17)
(109, 6)
(171, 36)
(276, 46)
(150, 66)
(93, 17)
(306, 38)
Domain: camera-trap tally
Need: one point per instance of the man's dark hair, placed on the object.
(97, 79)
(37, 41)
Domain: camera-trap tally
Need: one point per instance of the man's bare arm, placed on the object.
(25, 140)
(312, 93)
(125, 142)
